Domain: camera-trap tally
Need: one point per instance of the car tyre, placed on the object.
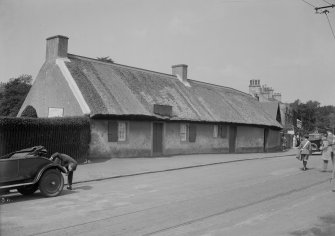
(28, 189)
(51, 183)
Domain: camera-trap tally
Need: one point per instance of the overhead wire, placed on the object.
(309, 4)
(327, 2)
(330, 25)
(325, 12)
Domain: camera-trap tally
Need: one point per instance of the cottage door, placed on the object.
(266, 137)
(232, 138)
(157, 139)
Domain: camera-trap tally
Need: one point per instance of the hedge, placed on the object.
(66, 135)
(29, 111)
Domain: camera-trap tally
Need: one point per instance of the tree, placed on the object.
(313, 116)
(2, 89)
(326, 118)
(13, 95)
(331, 119)
(105, 59)
(29, 111)
(310, 114)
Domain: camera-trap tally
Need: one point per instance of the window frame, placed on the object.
(222, 134)
(121, 131)
(182, 133)
(192, 133)
(186, 134)
(215, 131)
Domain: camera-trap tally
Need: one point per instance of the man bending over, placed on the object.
(68, 162)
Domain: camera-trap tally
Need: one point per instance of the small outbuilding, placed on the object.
(138, 112)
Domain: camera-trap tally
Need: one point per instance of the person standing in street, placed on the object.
(294, 144)
(331, 140)
(298, 140)
(326, 152)
(332, 181)
(68, 162)
(305, 150)
(284, 143)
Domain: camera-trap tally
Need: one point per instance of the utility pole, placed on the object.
(324, 10)
(324, 7)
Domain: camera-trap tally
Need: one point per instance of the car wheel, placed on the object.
(28, 189)
(51, 183)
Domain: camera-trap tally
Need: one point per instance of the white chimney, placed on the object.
(270, 92)
(181, 72)
(56, 47)
(254, 87)
(277, 96)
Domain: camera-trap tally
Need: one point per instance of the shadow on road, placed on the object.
(325, 228)
(83, 188)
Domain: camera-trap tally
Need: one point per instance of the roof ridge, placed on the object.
(218, 85)
(121, 65)
(269, 101)
(156, 72)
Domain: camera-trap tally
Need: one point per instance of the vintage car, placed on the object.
(316, 141)
(28, 170)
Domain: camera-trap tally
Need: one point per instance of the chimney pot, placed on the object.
(254, 87)
(56, 47)
(277, 96)
(181, 72)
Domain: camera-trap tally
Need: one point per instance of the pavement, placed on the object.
(101, 169)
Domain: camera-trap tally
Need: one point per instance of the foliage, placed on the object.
(2, 89)
(13, 95)
(29, 111)
(70, 135)
(105, 59)
(23, 122)
(313, 116)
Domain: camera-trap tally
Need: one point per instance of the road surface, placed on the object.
(255, 197)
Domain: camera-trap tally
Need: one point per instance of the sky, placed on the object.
(282, 43)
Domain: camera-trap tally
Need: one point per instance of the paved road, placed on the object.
(258, 197)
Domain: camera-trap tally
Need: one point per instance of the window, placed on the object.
(192, 133)
(122, 131)
(117, 131)
(188, 132)
(215, 131)
(223, 131)
(220, 131)
(183, 132)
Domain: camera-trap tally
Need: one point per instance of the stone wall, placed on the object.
(273, 140)
(204, 143)
(139, 141)
(249, 139)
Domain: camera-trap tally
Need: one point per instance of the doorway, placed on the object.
(232, 139)
(157, 139)
(266, 137)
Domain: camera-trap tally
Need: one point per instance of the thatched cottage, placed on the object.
(137, 112)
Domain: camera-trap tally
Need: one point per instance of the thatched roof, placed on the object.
(271, 107)
(119, 90)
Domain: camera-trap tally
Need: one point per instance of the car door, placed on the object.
(30, 166)
(9, 170)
